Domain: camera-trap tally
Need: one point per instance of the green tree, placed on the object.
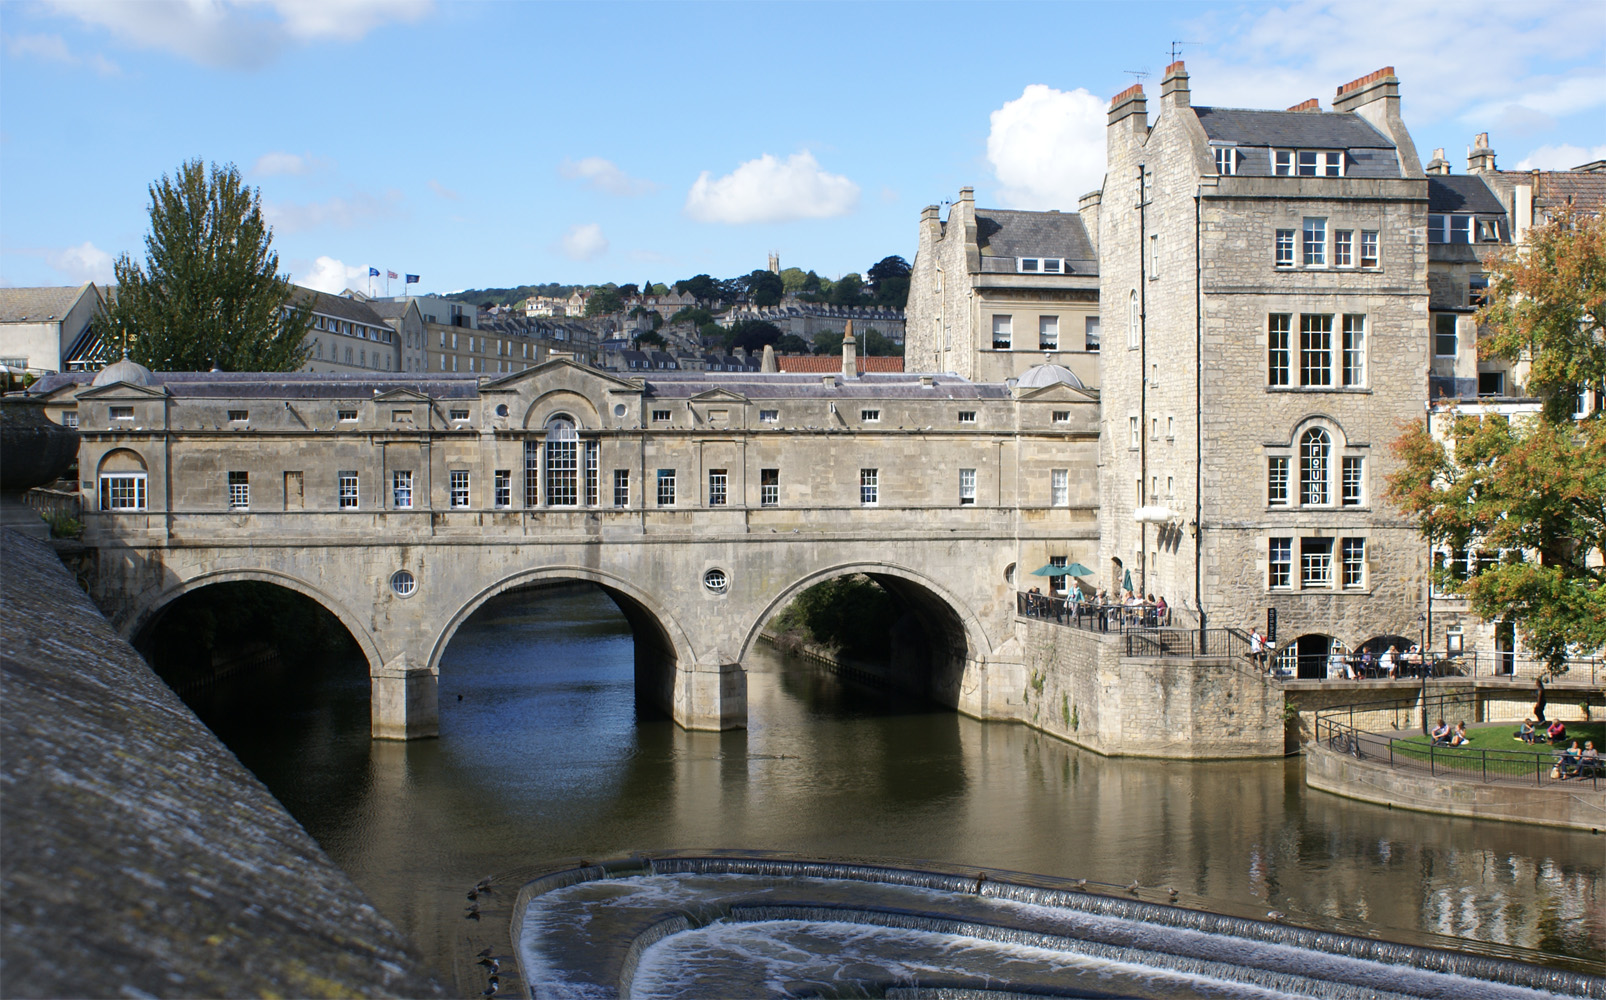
(210, 293)
(1531, 488)
(791, 343)
(765, 288)
(752, 334)
(792, 279)
(889, 282)
(874, 342)
(603, 302)
(648, 339)
(848, 290)
(827, 342)
(701, 287)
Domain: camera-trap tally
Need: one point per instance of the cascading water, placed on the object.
(702, 925)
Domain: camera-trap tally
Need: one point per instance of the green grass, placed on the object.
(1513, 757)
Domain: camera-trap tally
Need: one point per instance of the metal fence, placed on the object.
(1336, 730)
(1142, 631)
(1497, 664)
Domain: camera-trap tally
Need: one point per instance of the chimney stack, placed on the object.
(850, 352)
(1174, 86)
(1480, 158)
(1376, 98)
(1438, 165)
(1312, 104)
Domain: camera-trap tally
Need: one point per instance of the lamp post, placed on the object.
(1422, 666)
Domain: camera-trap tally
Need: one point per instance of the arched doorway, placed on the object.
(1306, 657)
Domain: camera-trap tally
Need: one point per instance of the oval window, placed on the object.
(403, 583)
(716, 581)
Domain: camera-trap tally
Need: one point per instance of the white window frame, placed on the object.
(458, 480)
(1003, 332)
(869, 487)
(1277, 481)
(1352, 563)
(239, 490)
(401, 489)
(666, 487)
(1315, 448)
(346, 492)
(1283, 248)
(1343, 248)
(718, 487)
(1352, 351)
(1370, 249)
(1280, 563)
(870, 416)
(1316, 563)
(1313, 241)
(1352, 481)
(1454, 335)
(967, 416)
(769, 416)
(621, 487)
(1134, 335)
(1316, 350)
(1092, 334)
(1048, 333)
(123, 491)
(1279, 348)
(1059, 487)
(967, 487)
(1227, 159)
(502, 488)
(769, 493)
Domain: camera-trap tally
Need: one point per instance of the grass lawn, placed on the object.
(1513, 757)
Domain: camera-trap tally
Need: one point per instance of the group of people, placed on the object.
(1444, 736)
(1571, 762)
(1132, 608)
(1535, 731)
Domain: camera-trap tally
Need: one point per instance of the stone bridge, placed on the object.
(701, 505)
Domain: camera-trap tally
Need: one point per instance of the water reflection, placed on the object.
(542, 756)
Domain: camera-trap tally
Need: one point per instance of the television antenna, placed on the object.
(1139, 74)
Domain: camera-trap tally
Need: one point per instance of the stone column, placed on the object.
(711, 696)
(404, 701)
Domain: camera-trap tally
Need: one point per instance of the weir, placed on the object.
(690, 925)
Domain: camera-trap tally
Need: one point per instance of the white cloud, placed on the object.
(53, 48)
(238, 34)
(444, 191)
(279, 164)
(332, 276)
(584, 242)
(602, 175)
(1047, 147)
(770, 190)
(1562, 157)
(341, 213)
(84, 262)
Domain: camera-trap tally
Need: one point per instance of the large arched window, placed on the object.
(562, 463)
(1315, 449)
(122, 481)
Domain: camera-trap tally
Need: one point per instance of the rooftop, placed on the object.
(1005, 234)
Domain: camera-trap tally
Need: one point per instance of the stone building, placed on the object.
(40, 327)
(805, 319)
(1270, 276)
(992, 291)
(345, 334)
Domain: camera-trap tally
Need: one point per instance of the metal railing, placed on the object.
(1140, 629)
(1087, 615)
(1474, 663)
(1336, 730)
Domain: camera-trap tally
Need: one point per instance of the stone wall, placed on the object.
(1081, 688)
(140, 858)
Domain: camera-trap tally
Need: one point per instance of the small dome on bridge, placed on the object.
(125, 370)
(1046, 374)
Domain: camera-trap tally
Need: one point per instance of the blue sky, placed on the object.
(491, 144)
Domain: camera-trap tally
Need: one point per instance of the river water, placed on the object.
(542, 756)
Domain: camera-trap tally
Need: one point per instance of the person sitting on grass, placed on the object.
(1526, 734)
(1459, 738)
(1567, 763)
(1557, 733)
(1441, 733)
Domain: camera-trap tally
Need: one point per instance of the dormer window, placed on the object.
(1308, 162)
(1449, 229)
(1227, 160)
(1040, 265)
(1488, 231)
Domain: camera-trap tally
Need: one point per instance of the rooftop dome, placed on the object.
(1039, 376)
(125, 370)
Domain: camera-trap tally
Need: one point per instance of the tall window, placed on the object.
(1444, 338)
(1315, 562)
(239, 490)
(1280, 563)
(1315, 242)
(1285, 248)
(562, 463)
(347, 482)
(1368, 248)
(718, 480)
(1353, 554)
(1134, 335)
(1354, 350)
(1277, 480)
(401, 489)
(967, 487)
(1059, 488)
(1350, 494)
(1090, 334)
(1002, 332)
(621, 487)
(1226, 160)
(666, 487)
(1314, 448)
(1048, 333)
(503, 495)
(592, 449)
(1133, 427)
(1277, 328)
(459, 485)
(532, 473)
(122, 491)
(869, 486)
(769, 487)
(1343, 248)
(1315, 349)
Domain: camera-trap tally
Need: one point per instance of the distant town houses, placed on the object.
(805, 319)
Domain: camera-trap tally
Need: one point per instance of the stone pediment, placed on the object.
(402, 394)
(719, 396)
(117, 390)
(546, 370)
(1059, 393)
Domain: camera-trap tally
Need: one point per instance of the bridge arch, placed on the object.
(939, 611)
(150, 603)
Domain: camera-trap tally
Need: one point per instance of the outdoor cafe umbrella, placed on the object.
(1052, 570)
(1077, 569)
(1126, 584)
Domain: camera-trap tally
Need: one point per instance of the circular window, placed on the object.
(402, 583)
(619, 409)
(501, 409)
(1009, 574)
(716, 581)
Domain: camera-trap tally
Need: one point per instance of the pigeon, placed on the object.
(492, 965)
(1081, 884)
(1274, 915)
(490, 991)
(484, 953)
(1134, 887)
(1172, 892)
(473, 912)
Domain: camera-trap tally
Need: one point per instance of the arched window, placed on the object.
(562, 463)
(1133, 337)
(122, 481)
(1315, 447)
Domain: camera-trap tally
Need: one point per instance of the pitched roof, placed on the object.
(823, 363)
(338, 306)
(1582, 189)
(38, 305)
(1004, 234)
(1462, 193)
(1292, 129)
(287, 385)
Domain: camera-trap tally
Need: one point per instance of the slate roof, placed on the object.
(757, 386)
(1582, 189)
(285, 385)
(1370, 152)
(1004, 234)
(338, 306)
(1462, 193)
(38, 305)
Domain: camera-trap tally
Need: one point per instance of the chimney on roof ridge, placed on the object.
(1130, 103)
(1174, 86)
(1480, 158)
(1376, 98)
(1438, 165)
(1312, 104)
(850, 351)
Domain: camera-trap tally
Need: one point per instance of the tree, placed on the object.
(604, 301)
(210, 293)
(1529, 491)
(848, 291)
(792, 279)
(827, 342)
(874, 342)
(791, 343)
(889, 282)
(764, 288)
(649, 339)
(701, 287)
(752, 334)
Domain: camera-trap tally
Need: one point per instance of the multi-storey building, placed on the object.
(992, 291)
(1270, 274)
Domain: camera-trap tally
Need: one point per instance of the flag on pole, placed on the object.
(373, 272)
(412, 279)
(391, 274)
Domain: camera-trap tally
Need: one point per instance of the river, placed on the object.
(542, 756)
